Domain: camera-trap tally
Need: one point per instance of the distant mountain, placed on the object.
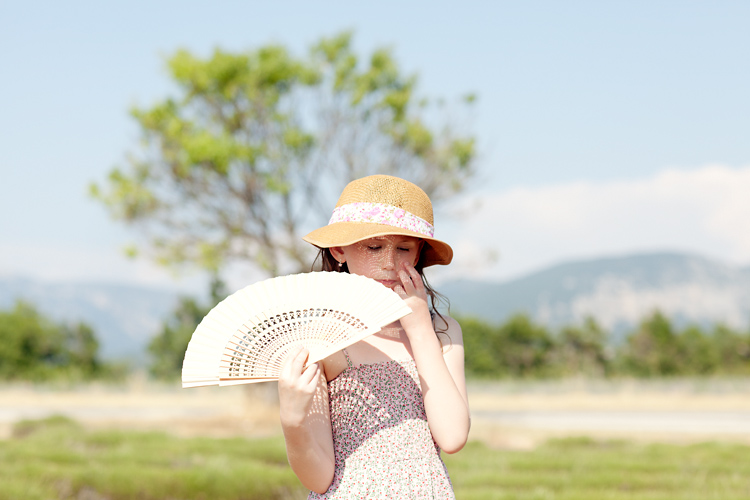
(124, 317)
(617, 291)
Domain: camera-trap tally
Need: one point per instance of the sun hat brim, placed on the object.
(341, 234)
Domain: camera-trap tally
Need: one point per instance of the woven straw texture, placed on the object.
(387, 190)
(390, 191)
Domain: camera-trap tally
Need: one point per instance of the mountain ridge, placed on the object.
(617, 290)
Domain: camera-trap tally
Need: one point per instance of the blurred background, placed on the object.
(589, 163)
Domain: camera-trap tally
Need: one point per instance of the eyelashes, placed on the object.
(399, 249)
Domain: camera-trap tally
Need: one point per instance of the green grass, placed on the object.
(57, 459)
(581, 469)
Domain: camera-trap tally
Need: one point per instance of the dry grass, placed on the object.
(252, 411)
(249, 411)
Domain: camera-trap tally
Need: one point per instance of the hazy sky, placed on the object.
(604, 127)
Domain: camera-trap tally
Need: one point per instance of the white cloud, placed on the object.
(71, 262)
(706, 211)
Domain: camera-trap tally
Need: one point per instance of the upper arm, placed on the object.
(453, 353)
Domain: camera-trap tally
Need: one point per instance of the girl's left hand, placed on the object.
(412, 290)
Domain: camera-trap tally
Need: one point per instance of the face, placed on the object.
(381, 257)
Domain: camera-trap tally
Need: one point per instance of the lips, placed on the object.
(388, 283)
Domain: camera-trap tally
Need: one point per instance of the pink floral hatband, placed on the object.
(380, 213)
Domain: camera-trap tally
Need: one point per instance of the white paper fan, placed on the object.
(246, 337)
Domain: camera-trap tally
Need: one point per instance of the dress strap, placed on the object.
(348, 359)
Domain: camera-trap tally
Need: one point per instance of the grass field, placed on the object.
(56, 458)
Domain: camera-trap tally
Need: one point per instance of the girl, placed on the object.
(370, 421)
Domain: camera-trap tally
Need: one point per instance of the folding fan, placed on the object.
(247, 336)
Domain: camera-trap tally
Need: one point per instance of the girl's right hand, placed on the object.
(297, 387)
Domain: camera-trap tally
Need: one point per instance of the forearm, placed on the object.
(306, 422)
(311, 460)
(444, 397)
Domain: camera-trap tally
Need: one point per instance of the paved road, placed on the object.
(683, 422)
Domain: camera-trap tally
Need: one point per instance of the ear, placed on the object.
(338, 254)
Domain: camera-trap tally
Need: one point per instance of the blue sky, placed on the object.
(604, 127)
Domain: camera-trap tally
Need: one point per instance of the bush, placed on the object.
(520, 348)
(36, 348)
(517, 348)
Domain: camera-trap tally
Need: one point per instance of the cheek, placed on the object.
(359, 262)
(410, 258)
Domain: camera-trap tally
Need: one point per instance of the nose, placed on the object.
(389, 259)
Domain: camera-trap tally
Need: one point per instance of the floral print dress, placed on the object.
(382, 443)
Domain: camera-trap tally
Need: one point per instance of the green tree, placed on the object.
(167, 348)
(523, 347)
(732, 349)
(83, 347)
(581, 350)
(653, 349)
(516, 348)
(698, 353)
(479, 358)
(36, 348)
(256, 145)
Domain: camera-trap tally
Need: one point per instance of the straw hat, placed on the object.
(380, 205)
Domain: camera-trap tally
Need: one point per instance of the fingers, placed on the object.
(410, 279)
(294, 361)
(295, 373)
(400, 291)
(298, 362)
(309, 377)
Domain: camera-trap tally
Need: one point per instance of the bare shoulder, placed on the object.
(449, 331)
(452, 324)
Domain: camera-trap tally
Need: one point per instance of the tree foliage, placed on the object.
(167, 348)
(516, 348)
(653, 348)
(36, 348)
(582, 350)
(521, 348)
(256, 145)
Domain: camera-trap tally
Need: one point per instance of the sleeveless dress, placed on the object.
(382, 444)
